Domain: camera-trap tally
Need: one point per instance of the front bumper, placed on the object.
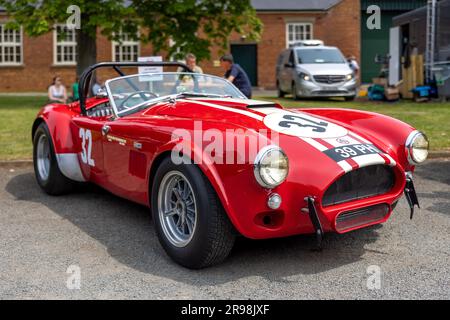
(257, 221)
(309, 89)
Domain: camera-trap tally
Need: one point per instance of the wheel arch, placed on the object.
(57, 118)
(37, 122)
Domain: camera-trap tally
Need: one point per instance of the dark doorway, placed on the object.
(245, 55)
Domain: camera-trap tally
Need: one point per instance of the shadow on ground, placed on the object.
(436, 171)
(439, 172)
(126, 230)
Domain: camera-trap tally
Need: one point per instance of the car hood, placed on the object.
(325, 69)
(307, 139)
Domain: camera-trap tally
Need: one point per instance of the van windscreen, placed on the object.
(319, 55)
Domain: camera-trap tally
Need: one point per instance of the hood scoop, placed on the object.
(263, 105)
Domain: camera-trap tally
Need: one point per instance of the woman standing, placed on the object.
(57, 92)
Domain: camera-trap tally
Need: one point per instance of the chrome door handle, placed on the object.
(105, 130)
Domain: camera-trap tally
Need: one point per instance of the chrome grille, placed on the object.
(329, 79)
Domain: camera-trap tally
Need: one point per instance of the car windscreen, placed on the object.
(130, 93)
(319, 55)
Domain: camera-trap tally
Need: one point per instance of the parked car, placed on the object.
(178, 142)
(308, 70)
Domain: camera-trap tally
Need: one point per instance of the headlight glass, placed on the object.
(417, 147)
(349, 77)
(271, 167)
(305, 76)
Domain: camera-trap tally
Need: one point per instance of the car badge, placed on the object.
(343, 141)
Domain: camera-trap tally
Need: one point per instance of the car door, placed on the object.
(286, 72)
(125, 162)
(290, 71)
(87, 134)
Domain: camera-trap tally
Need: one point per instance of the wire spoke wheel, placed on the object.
(177, 208)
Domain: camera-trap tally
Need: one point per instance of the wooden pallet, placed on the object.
(413, 76)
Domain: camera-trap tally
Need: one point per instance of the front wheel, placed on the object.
(294, 91)
(189, 219)
(350, 98)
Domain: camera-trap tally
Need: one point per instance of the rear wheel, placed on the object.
(189, 219)
(46, 169)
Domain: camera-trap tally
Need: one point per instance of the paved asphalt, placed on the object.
(113, 243)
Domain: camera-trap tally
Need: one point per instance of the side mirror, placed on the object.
(289, 65)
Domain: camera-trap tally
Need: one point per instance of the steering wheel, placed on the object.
(141, 94)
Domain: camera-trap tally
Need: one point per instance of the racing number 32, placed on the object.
(317, 126)
(86, 147)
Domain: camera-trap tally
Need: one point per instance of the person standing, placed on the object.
(57, 91)
(353, 64)
(75, 92)
(236, 75)
(191, 62)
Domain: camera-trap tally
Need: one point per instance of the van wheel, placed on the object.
(280, 93)
(189, 219)
(351, 98)
(46, 168)
(294, 91)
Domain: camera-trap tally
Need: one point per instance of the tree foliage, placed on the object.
(171, 26)
(196, 25)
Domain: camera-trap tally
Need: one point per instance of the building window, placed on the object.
(126, 50)
(65, 50)
(10, 46)
(296, 32)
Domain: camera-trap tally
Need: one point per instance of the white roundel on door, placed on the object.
(303, 125)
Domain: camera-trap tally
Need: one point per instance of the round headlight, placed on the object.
(271, 167)
(417, 146)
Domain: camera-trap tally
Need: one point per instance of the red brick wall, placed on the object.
(340, 27)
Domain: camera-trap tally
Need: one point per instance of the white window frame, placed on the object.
(10, 44)
(125, 43)
(295, 24)
(63, 44)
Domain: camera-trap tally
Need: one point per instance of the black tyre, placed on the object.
(189, 219)
(46, 169)
(294, 91)
(280, 93)
(351, 98)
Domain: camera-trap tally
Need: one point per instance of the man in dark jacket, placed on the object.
(236, 75)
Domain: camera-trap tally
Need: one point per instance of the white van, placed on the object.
(314, 70)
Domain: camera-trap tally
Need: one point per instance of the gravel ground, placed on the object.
(113, 243)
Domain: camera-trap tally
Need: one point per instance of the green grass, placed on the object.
(16, 118)
(17, 115)
(433, 118)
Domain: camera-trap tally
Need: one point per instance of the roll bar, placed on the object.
(83, 89)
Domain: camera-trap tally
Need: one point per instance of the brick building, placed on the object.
(28, 64)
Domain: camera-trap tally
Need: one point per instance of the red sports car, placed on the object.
(213, 165)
